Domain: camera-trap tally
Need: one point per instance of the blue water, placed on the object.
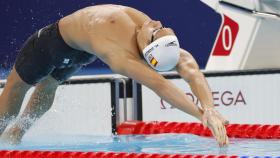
(162, 143)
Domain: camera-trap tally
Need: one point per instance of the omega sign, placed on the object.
(221, 98)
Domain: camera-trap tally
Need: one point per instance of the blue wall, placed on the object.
(195, 24)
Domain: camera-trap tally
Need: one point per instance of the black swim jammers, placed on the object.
(45, 53)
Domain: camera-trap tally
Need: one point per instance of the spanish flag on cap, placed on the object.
(154, 62)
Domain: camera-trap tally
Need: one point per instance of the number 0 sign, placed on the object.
(226, 37)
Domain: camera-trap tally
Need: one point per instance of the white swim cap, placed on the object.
(163, 54)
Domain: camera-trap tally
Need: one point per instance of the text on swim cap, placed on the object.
(173, 43)
(150, 50)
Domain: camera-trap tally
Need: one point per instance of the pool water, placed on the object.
(160, 143)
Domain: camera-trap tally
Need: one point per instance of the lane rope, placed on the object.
(68, 154)
(233, 130)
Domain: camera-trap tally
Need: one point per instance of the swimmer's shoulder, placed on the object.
(103, 8)
(110, 9)
(136, 15)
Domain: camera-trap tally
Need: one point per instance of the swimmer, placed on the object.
(127, 40)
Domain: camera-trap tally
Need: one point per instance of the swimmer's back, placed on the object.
(89, 28)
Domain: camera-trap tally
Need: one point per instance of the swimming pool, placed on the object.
(159, 143)
(88, 124)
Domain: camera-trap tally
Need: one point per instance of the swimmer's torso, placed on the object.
(104, 30)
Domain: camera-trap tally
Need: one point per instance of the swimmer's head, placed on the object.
(159, 45)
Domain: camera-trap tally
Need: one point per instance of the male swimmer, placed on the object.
(127, 40)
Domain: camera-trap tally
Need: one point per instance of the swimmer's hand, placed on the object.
(215, 122)
(217, 114)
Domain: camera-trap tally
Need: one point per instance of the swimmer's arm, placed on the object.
(164, 88)
(188, 69)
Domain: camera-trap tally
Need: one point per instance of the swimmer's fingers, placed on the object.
(226, 137)
(212, 119)
(220, 133)
(214, 131)
(223, 132)
(218, 130)
(227, 140)
(223, 129)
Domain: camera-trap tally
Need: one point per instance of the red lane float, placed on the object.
(233, 130)
(68, 154)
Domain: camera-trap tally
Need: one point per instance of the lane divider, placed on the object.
(233, 130)
(68, 154)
